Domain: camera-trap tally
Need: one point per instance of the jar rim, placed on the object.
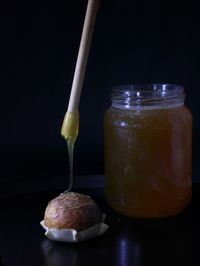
(154, 87)
(147, 94)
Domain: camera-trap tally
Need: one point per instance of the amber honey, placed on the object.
(148, 151)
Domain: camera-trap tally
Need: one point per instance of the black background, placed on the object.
(133, 42)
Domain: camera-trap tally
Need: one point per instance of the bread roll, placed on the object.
(72, 211)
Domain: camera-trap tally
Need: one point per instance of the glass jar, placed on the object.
(148, 150)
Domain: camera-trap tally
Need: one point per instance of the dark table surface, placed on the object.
(171, 241)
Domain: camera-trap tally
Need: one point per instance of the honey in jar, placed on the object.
(148, 150)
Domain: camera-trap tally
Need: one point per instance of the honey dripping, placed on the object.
(70, 131)
(70, 147)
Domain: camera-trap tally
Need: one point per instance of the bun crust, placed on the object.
(72, 211)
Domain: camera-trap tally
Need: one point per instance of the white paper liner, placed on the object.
(72, 236)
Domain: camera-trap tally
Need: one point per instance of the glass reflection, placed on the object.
(129, 252)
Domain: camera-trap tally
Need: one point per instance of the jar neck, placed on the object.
(147, 97)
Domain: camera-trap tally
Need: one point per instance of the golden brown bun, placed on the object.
(72, 211)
